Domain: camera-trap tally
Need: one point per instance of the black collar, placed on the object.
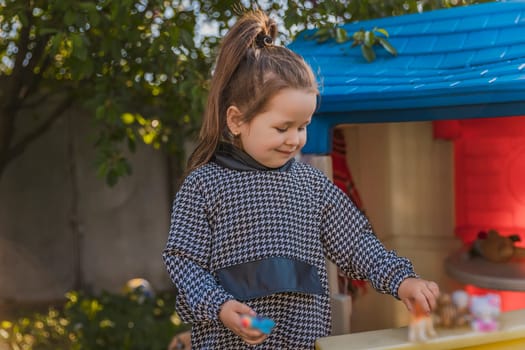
(229, 156)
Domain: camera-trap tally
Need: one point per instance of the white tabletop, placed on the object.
(485, 274)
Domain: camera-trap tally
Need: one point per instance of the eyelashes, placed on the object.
(283, 130)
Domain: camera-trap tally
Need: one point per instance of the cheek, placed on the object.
(303, 138)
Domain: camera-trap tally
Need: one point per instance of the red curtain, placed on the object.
(343, 179)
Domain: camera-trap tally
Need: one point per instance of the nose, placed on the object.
(293, 138)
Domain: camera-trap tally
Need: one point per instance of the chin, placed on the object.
(274, 165)
(280, 164)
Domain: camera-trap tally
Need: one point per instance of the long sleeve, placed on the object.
(187, 258)
(350, 243)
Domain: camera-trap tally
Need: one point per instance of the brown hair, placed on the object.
(249, 71)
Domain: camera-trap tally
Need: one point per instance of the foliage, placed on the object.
(134, 64)
(37, 332)
(109, 321)
(366, 39)
(140, 67)
(329, 17)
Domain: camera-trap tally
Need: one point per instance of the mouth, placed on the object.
(288, 152)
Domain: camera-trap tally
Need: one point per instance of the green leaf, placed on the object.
(112, 178)
(127, 118)
(132, 145)
(370, 38)
(340, 35)
(87, 6)
(321, 32)
(46, 31)
(323, 39)
(392, 50)
(70, 18)
(79, 49)
(23, 18)
(359, 35)
(100, 112)
(55, 41)
(382, 31)
(93, 15)
(368, 53)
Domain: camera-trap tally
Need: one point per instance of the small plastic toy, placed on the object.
(421, 326)
(485, 310)
(452, 310)
(497, 248)
(262, 324)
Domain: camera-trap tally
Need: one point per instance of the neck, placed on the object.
(232, 157)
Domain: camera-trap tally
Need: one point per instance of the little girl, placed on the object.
(251, 226)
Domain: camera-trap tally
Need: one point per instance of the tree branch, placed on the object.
(32, 80)
(38, 101)
(10, 102)
(20, 147)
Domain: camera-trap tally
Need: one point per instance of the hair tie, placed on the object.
(263, 40)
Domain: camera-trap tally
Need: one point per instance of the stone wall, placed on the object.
(61, 226)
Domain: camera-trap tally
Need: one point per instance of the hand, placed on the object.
(420, 291)
(230, 316)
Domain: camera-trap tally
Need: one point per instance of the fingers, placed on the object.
(419, 296)
(431, 292)
(230, 315)
(249, 335)
(434, 288)
(408, 305)
(252, 337)
(243, 309)
(427, 296)
(255, 341)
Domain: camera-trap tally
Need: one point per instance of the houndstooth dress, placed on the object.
(224, 217)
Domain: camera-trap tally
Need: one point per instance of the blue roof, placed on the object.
(462, 62)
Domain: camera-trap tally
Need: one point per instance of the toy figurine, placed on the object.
(421, 325)
(485, 310)
(452, 310)
(262, 324)
(497, 248)
(445, 313)
(460, 299)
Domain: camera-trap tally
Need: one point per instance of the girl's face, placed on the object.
(277, 134)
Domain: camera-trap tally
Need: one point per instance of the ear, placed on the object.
(234, 120)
